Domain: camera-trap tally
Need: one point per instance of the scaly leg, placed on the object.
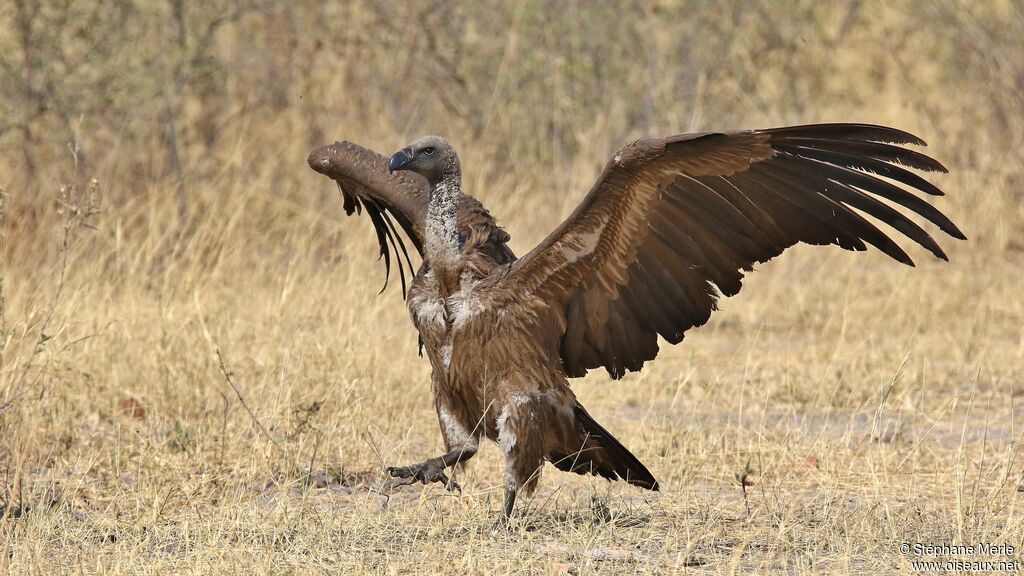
(431, 470)
(461, 445)
(510, 503)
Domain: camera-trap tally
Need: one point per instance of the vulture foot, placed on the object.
(424, 472)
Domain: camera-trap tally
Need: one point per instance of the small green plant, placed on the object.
(181, 437)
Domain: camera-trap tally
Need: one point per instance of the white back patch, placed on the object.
(427, 307)
(429, 312)
(464, 304)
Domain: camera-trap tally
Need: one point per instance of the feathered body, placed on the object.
(494, 353)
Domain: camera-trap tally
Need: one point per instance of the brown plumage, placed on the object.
(670, 225)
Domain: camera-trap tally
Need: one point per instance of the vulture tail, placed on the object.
(601, 454)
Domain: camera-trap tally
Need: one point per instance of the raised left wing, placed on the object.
(401, 197)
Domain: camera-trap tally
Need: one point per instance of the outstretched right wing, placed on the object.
(401, 197)
(674, 222)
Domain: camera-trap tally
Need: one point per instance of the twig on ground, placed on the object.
(231, 382)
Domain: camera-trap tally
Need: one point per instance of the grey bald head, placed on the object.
(431, 157)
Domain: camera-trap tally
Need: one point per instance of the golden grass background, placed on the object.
(866, 403)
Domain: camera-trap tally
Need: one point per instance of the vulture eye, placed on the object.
(429, 150)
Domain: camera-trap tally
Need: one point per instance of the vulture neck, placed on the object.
(443, 246)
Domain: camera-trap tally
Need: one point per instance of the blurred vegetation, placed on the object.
(162, 96)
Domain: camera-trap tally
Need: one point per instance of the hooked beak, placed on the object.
(400, 160)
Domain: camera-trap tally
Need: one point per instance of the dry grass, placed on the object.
(865, 403)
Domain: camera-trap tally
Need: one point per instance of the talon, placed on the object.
(449, 484)
(403, 471)
(453, 486)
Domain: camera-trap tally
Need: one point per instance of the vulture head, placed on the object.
(431, 157)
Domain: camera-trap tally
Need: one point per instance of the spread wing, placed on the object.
(672, 223)
(400, 198)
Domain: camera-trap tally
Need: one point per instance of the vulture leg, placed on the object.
(460, 442)
(431, 470)
(510, 503)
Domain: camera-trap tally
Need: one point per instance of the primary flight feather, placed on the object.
(670, 224)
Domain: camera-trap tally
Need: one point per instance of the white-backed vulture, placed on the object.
(670, 225)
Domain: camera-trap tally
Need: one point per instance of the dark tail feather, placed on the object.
(601, 454)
